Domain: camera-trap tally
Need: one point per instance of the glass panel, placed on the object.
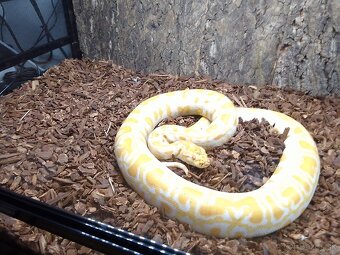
(24, 27)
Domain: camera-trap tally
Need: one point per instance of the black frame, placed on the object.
(71, 39)
(85, 231)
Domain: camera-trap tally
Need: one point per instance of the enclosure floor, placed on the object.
(57, 139)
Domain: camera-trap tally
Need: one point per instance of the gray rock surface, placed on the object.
(268, 42)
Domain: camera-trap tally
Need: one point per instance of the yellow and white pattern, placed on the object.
(274, 205)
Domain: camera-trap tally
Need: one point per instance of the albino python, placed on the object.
(274, 205)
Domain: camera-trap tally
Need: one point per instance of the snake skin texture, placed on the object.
(277, 203)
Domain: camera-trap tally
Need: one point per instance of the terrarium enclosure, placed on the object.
(57, 132)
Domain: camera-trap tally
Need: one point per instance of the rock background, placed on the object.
(284, 43)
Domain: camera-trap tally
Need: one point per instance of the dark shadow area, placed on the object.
(9, 246)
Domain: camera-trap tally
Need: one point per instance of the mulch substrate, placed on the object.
(57, 139)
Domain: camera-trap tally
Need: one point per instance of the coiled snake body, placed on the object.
(274, 205)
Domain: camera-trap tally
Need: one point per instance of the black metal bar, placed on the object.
(71, 27)
(85, 231)
(35, 52)
(44, 25)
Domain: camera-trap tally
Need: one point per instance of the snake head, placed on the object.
(192, 154)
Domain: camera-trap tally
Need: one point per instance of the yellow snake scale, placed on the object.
(274, 205)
